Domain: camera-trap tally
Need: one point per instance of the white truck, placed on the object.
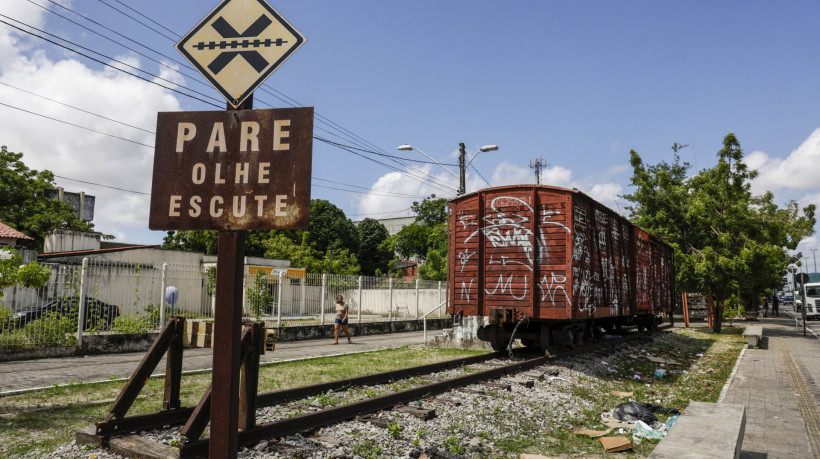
(812, 301)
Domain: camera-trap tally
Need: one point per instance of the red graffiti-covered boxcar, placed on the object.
(554, 262)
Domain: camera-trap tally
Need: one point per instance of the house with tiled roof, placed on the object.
(9, 236)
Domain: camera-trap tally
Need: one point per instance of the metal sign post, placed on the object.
(232, 171)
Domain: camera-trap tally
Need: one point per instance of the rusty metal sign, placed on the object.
(232, 170)
(238, 45)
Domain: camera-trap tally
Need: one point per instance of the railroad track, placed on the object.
(194, 446)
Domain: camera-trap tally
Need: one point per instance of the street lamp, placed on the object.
(462, 165)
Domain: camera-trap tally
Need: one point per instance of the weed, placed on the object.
(367, 449)
(452, 445)
(395, 429)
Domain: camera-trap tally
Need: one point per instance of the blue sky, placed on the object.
(577, 83)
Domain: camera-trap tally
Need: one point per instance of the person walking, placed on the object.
(775, 307)
(765, 307)
(341, 319)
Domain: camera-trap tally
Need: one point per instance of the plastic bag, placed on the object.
(634, 411)
(660, 409)
(671, 421)
(643, 430)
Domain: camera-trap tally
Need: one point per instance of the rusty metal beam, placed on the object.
(143, 422)
(226, 360)
(198, 420)
(253, 348)
(137, 381)
(173, 366)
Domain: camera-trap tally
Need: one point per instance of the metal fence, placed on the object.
(130, 298)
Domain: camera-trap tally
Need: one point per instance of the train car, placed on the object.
(552, 267)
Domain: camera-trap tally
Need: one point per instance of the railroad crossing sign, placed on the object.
(238, 45)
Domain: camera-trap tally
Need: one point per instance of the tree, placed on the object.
(24, 206)
(374, 253)
(12, 272)
(330, 228)
(304, 255)
(726, 240)
(206, 241)
(426, 237)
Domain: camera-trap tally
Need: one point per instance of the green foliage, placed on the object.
(207, 241)
(6, 318)
(395, 429)
(210, 286)
(258, 295)
(426, 238)
(133, 323)
(452, 445)
(53, 330)
(330, 228)
(726, 240)
(32, 275)
(306, 256)
(367, 449)
(375, 252)
(24, 206)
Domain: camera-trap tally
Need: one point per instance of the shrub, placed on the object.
(52, 330)
(127, 324)
(6, 319)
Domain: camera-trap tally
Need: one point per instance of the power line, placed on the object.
(76, 125)
(101, 62)
(101, 185)
(479, 174)
(369, 189)
(353, 137)
(146, 17)
(416, 175)
(76, 108)
(135, 19)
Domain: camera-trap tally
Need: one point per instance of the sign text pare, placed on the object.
(232, 170)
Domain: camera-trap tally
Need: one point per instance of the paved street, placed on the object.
(777, 384)
(47, 372)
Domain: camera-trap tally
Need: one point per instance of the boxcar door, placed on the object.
(510, 249)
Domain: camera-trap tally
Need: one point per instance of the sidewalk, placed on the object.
(28, 374)
(777, 385)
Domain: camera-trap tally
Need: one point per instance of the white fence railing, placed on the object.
(130, 298)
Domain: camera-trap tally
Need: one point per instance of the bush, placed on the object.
(6, 319)
(134, 323)
(52, 330)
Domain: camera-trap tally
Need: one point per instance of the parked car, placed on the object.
(98, 314)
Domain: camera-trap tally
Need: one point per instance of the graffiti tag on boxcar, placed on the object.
(551, 285)
(506, 287)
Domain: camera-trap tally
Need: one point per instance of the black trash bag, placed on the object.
(634, 411)
(660, 409)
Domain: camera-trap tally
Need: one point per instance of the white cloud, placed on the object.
(76, 153)
(383, 202)
(796, 171)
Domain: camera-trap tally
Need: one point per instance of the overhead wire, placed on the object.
(75, 125)
(479, 174)
(102, 62)
(416, 174)
(76, 108)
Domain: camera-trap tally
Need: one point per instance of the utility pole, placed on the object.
(462, 169)
(540, 163)
(814, 251)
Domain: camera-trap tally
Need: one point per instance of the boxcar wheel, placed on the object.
(497, 340)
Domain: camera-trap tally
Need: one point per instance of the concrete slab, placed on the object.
(753, 334)
(713, 430)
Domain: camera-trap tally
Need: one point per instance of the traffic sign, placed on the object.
(238, 45)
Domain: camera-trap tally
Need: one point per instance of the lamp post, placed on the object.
(815, 259)
(463, 164)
